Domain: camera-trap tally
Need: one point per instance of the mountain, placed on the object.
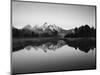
(27, 27)
(45, 29)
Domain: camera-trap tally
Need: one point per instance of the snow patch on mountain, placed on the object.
(44, 27)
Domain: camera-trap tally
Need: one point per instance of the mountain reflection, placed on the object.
(82, 44)
(52, 46)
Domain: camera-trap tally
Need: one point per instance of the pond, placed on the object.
(50, 56)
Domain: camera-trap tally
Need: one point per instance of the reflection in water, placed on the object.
(52, 46)
(82, 44)
(32, 56)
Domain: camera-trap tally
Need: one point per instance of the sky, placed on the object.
(63, 15)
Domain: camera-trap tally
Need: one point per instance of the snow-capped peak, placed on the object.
(45, 27)
(52, 27)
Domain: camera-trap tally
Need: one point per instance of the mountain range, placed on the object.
(45, 28)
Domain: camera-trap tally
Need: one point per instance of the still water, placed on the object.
(53, 56)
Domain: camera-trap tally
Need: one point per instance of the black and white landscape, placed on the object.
(48, 37)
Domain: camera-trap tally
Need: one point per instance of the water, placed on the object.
(53, 56)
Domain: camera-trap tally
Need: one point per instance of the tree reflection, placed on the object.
(84, 45)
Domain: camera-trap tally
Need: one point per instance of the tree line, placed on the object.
(82, 31)
(21, 33)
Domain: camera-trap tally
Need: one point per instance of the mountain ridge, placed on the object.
(45, 28)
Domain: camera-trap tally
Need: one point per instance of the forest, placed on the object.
(83, 31)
